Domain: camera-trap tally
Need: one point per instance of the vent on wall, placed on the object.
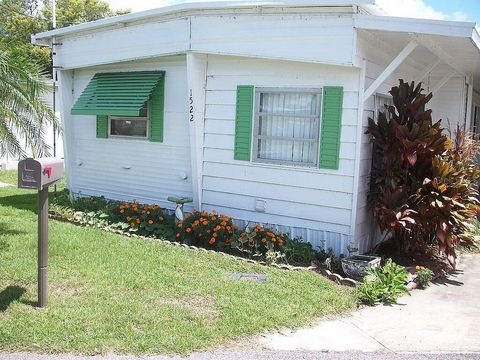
(260, 205)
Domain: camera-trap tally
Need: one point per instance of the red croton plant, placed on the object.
(423, 186)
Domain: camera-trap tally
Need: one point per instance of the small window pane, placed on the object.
(144, 110)
(380, 102)
(129, 127)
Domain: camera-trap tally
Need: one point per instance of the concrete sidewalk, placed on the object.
(443, 318)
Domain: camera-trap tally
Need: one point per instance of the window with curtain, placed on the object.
(286, 127)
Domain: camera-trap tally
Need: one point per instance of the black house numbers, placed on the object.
(190, 101)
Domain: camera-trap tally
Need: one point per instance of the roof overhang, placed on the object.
(43, 37)
(453, 43)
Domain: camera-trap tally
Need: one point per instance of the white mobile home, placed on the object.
(257, 110)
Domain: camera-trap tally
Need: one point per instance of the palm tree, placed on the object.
(23, 114)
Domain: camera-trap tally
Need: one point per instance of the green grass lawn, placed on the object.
(109, 293)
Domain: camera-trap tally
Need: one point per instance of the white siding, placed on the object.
(309, 202)
(448, 103)
(124, 43)
(307, 36)
(99, 166)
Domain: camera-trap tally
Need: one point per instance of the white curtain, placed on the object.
(293, 117)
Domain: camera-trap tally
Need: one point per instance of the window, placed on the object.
(286, 128)
(130, 126)
(476, 121)
(380, 102)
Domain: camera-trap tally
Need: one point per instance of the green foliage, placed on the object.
(72, 12)
(328, 259)
(258, 240)
(145, 219)
(383, 284)
(19, 19)
(297, 251)
(423, 187)
(23, 115)
(205, 229)
(424, 276)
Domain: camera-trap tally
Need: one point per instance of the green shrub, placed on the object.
(423, 185)
(383, 284)
(210, 230)
(145, 219)
(257, 240)
(424, 276)
(297, 251)
(328, 259)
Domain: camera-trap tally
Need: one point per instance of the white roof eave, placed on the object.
(170, 10)
(414, 25)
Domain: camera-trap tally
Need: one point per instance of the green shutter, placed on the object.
(102, 126)
(331, 126)
(156, 112)
(243, 122)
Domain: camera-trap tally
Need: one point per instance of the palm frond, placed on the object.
(23, 112)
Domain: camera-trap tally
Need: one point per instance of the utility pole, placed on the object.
(54, 83)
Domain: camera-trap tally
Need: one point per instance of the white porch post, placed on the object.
(196, 79)
(407, 50)
(358, 147)
(468, 114)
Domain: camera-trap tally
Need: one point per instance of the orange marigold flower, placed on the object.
(179, 225)
(150, 222)
(209, 231)
(122, 211)
(196, 222)
(205, 223)
(212, 241)
(264, 240)
(271, 234)
(188, 229)
(138, 221)
(160, 218)
(129, 218)
(133, 224)
(223, 223)
(178, 235)
(215, 235)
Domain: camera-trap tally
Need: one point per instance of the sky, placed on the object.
(461, 10)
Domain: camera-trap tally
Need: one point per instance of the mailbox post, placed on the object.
(39, 174)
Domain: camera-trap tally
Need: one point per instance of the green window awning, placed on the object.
(121, 94)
